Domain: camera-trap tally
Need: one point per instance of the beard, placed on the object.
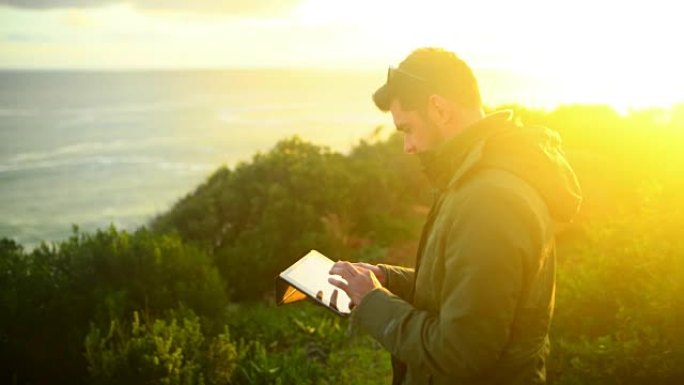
(427, 156)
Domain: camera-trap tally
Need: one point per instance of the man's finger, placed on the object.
(344, 269)
(340, 284)
(365, 265)
(333, 299)
(341, 273)
(337, 270)
(340, 265)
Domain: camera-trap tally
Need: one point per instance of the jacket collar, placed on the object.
(453, 158)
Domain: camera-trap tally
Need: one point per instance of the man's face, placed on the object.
(420, 133)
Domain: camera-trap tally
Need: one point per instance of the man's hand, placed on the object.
(360, 277)
(379, 273)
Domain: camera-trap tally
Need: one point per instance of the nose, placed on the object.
(409, 147)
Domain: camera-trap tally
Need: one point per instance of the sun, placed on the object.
(578, 52)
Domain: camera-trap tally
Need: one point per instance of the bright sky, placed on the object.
(627, 51)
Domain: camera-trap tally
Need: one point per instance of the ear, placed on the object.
(439, 110)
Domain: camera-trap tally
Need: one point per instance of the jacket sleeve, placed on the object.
(484, 249)
(398, 280)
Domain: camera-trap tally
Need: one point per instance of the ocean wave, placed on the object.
(14, 112)
(127, 108)
(96, 148)
(90, 113)
(71, 149)
(106, 161)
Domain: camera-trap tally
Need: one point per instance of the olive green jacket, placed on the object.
(477, 307)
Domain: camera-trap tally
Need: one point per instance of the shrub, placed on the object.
(53, 293)
(170, 351)
(261, 217)
(620, 306)
(303, 344)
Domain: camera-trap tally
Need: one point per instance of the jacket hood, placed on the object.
(532, 153)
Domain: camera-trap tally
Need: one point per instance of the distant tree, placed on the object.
(264, 215)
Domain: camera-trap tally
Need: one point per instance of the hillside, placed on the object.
(188, 299)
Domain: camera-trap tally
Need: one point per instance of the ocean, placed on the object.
(98, 148)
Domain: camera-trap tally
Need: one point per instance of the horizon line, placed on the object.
(179, 69)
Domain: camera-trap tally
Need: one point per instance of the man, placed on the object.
(476, 309)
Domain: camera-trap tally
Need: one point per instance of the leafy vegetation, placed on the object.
(173, 351)
(189, 300)
(52, 295)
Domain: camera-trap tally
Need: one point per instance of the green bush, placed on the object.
(171, 351)
(620, 306)
(261, 217)
(303, 344)
(52, 294)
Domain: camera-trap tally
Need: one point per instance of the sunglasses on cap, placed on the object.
(395, 72)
